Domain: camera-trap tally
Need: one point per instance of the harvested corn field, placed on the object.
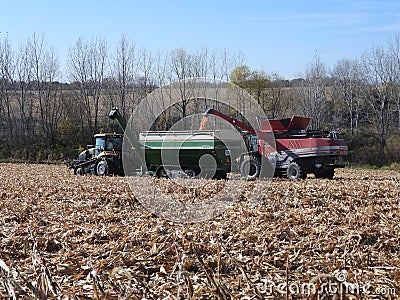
(84, 237)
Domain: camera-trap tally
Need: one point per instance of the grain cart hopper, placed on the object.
(297, 151)
(194, 153)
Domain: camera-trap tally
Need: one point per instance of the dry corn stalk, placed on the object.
(92, 238)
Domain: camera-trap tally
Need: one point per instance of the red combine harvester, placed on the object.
(295, 152)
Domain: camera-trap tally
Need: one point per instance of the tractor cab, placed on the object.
(106, 142)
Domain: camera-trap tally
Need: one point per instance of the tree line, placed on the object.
(47, 112)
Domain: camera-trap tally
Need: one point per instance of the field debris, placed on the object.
(88, 237)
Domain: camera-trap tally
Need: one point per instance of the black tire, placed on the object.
(102, 168)
(295, 172)
(79, 171)
(325, 173)
(250, 168)
(190, 173)
(161, 173)
(220, 175)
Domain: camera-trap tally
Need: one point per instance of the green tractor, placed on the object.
(103, 159)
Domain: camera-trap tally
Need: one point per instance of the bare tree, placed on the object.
(213, 63)
(347, 79)
(86, 62)
(394, 53)
(379, 73)
(311, 92)
(7, 88)
(144, 75)
(121, 82)
(279, 97)
(230, 63)
(160, 76)
(160, 70)
(25, 92)
(181, 70)
(31, 99)
(45, 68)
(200, 63)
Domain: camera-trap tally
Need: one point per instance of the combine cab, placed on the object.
(102, 159)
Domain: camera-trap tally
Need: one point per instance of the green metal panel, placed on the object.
(177, 145)
(183, 149)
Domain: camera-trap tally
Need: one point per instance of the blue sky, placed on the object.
(277, 36)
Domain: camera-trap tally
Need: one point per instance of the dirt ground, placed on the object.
(82, 237)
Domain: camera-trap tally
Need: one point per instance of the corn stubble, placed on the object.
(87, 237)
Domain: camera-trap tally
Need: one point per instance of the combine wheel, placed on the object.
(250, 168)
(102, 168)
(295, 172)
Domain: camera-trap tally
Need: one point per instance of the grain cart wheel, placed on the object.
(295, 172)
(325, 173)
(102, 168)
(250, 168)
(190, 173)
(161, 173)
(220, 175)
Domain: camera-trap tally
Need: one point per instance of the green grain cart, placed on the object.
(169, 154)
(197, 153)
